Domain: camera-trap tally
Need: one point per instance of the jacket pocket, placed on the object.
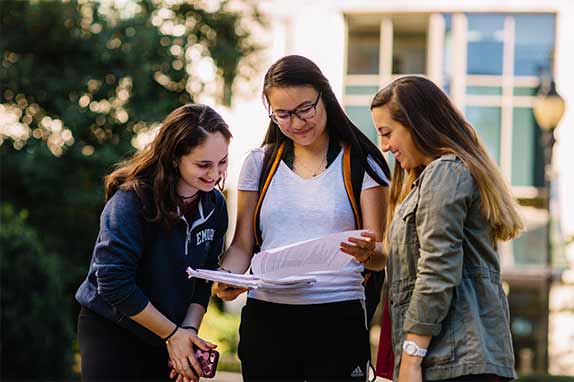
(400, 297)
(494, 323)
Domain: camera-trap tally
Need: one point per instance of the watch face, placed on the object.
(410, 348)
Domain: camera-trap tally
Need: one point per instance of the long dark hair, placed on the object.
(438, 128)
(152, 173)
(300, 71)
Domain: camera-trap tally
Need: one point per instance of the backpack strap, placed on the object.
(256, 230)
(354, 194)
(353, 173)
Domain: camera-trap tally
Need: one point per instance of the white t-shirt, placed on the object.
(296, 209)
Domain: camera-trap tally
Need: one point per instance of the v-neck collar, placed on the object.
(322, 174)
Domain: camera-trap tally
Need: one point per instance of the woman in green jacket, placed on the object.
(449, 205)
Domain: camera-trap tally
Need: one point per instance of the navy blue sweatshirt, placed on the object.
(135, 262)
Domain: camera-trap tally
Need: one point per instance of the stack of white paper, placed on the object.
(315, 255)
(290, 266)
(250, 281)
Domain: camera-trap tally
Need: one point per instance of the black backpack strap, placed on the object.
(353, 178)
(353, 174)
(256, 213)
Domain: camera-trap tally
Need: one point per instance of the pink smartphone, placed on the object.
(208, 361)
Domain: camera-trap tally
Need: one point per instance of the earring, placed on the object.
(221, 181)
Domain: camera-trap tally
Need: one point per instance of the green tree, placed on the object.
(80, 83)
(34, 313)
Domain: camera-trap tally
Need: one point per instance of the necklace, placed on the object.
(317, 170)
(188, 198)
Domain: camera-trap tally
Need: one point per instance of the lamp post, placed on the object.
(548, 110)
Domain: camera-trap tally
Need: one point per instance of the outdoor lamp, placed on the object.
(548, 107)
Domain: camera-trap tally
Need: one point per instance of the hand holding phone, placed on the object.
(207, 360)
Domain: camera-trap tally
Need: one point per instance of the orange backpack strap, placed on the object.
(276, 161)
(349, 186)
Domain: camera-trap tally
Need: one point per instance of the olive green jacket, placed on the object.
(444, 277)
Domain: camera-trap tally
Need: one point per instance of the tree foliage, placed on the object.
(36, 328)
(80, 84)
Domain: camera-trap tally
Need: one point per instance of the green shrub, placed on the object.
(222, 328)
(37, 332)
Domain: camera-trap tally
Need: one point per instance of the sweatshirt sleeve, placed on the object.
(446, 193)
(203, 289)
(118, 252)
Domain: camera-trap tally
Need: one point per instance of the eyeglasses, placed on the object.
(283, 118)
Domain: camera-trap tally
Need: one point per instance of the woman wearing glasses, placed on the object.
(317, 332)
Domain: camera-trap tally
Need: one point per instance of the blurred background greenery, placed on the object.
(81, 84)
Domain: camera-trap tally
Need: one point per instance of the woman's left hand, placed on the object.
(361, 249)
(180, 348)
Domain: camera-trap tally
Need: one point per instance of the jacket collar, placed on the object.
(205, 208)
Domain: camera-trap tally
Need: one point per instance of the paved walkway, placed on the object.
(225, 376)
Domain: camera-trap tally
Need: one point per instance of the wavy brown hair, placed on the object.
(152, 172)
(438, 128)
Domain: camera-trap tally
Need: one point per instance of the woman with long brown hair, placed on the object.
(162, 215)
(449, 205)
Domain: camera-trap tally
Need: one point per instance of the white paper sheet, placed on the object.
(289, 266)
(250, 281)
(320, 254)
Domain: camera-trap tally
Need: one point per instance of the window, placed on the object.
(485, 44)
(486, 122)
(410, 44)
(363, 51)
(527, 159)
(361, 116)
(534, 44)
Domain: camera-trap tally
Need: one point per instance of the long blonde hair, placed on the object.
(437, 129)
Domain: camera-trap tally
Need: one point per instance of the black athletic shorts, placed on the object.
(318, 342)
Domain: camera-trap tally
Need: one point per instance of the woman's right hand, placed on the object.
(180, 349)
(227, 292)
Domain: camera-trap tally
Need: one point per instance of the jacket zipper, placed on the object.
(187, 238)
(196, 223)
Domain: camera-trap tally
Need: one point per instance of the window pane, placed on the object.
(485, 40)
(524, 91)
(363, 51)
(361, 90)
(410, 44)
(527, 159)
(529, 247)
(534, 43)
(361, 116)
(486, 122)
(409, 53)
(484, 90)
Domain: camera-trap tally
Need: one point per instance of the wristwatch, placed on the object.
(411, 348)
